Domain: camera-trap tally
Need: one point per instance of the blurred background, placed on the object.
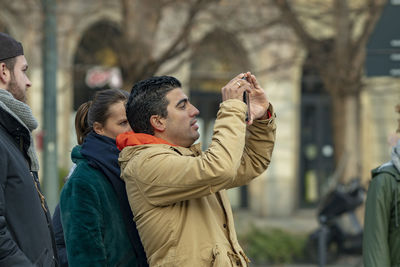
(331, 70)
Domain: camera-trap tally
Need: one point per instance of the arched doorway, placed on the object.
(316, 144)
(217, 59)
(96, 62)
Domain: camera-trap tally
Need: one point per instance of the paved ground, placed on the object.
(304, 221)
(342, 262)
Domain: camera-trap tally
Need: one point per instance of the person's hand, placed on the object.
(258, 100)
(234, 88)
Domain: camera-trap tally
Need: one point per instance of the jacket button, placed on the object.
(224, 225)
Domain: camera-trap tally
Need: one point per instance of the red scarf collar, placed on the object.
(134, 139)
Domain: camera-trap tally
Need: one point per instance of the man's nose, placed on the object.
(195, 111)
(28, 82)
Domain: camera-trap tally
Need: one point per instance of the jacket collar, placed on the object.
(134, 139)
(15, 129)
(386, 168)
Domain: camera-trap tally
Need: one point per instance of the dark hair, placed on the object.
(147, 98)
(10, 63)
(81, 126)
(96, 110)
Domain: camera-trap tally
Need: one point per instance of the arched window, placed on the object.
(217, 59)
(96, 63)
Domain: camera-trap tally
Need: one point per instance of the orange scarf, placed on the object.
(134, 139)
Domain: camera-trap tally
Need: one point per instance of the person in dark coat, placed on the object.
(26, 235)
(59, 236)
(97, 221)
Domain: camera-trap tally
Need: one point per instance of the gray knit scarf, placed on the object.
(396, 156)
(23, 114)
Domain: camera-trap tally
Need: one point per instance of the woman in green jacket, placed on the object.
(381, 244)
(98, 225)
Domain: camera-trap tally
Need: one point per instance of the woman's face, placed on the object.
(116, 122)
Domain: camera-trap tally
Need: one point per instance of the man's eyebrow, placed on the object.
(181, 101)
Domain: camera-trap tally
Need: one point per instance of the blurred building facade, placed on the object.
(303, 156)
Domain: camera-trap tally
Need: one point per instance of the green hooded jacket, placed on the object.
(95, 234)
(381, 243)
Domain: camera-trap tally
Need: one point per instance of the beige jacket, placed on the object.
(178, 195)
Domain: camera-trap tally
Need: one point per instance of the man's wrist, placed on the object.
(267, 115)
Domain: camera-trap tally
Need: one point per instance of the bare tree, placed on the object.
(23, 10)
(339, 60)
(339, 56)
(138, 35)
(143, 19)
(17, 8)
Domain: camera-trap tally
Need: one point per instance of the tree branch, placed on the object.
(181, 42)
(375, 8)
(291, 19)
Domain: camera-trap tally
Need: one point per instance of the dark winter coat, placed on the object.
(95, 231)
(26, 237)
(59, 236)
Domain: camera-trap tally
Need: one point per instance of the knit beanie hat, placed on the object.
(9, 47)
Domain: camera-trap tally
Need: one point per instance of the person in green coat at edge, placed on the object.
(381, 243)
(96, 219)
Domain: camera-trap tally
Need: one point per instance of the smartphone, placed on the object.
(246, 100)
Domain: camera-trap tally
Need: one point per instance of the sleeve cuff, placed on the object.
(268, 114)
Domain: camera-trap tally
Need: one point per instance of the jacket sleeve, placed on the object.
(10, 254)
(257, 152)
(376, 224)
(81, 221)
(59, 237)
(165, 177)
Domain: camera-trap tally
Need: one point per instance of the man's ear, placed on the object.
(98, 128)
(5, 74)
(157, 123)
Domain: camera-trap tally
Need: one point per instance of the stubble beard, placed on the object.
(15, 90)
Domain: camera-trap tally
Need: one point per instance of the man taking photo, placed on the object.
(177, 192)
